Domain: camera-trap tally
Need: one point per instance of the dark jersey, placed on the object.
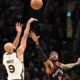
(57, 73)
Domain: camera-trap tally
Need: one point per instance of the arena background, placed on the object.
(58, 26)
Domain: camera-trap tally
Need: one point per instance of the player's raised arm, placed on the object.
(22, 46)
(48, 64)
(35, 39)
(19, 30)
(71, 65)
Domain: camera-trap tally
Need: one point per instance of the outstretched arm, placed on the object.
(19, 30)
(71, 65)
(22, 46)
(48, 64)
(35, 39)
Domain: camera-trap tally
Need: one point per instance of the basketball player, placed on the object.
(13, 60)
(54, 68)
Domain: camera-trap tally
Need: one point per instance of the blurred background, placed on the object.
(58, 26)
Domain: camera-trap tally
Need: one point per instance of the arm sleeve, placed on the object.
(40, 51)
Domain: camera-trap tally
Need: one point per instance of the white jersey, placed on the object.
(13, 66)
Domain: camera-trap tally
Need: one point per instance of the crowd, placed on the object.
(10, 13)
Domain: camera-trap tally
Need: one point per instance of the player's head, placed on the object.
(9, 47)
(54, 56)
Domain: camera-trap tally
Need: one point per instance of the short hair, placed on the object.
(7, 44)
(52, 52)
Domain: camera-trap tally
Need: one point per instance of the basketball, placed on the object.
(36, 4)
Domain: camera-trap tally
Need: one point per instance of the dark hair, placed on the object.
(52, 52)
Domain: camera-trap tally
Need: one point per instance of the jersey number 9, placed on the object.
(11, 68)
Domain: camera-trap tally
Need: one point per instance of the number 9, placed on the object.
(11, 68)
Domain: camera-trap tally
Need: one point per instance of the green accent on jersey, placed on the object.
(21, 76)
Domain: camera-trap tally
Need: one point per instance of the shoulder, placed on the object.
(14, 55)
(5, 54)
(50, 63)
(59, 64)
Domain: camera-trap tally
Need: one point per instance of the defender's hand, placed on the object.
(34, 36)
